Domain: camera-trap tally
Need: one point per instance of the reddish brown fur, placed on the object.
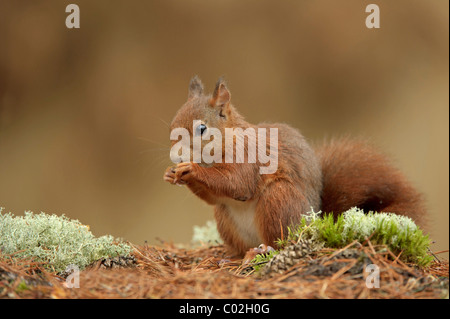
(251, 208)
(355, 174)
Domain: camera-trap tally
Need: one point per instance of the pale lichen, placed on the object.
(56, 241)
(399, 233)
(206, 234)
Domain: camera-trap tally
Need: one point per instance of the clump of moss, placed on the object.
(57, 241)
(398, 233)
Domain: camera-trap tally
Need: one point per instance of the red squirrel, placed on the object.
(253, 208)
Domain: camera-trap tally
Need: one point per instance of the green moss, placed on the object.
(22, 287)
(397, 232)
(54, 240)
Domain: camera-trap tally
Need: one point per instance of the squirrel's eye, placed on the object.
(201, 129)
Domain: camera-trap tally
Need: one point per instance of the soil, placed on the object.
(168, 271)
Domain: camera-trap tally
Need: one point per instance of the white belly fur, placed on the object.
(243, 216)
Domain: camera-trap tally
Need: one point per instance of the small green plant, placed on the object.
(260, 260)
(398, 233)
(54, 240)
(22, 287)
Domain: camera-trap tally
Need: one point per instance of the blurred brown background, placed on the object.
(83, 111)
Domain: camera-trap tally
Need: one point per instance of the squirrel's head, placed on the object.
(204, 113)
(213, 110)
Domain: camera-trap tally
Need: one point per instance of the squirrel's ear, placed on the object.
(221, 95)
(195, 87)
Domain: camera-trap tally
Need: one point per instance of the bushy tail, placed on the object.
(355, 174)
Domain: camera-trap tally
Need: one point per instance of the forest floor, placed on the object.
(168, 271)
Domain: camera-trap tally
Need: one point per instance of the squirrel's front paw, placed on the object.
(183, 172)
(169, 175)
(179, 174)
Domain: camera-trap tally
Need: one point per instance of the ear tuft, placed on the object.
(195, 87)
(221, 95)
